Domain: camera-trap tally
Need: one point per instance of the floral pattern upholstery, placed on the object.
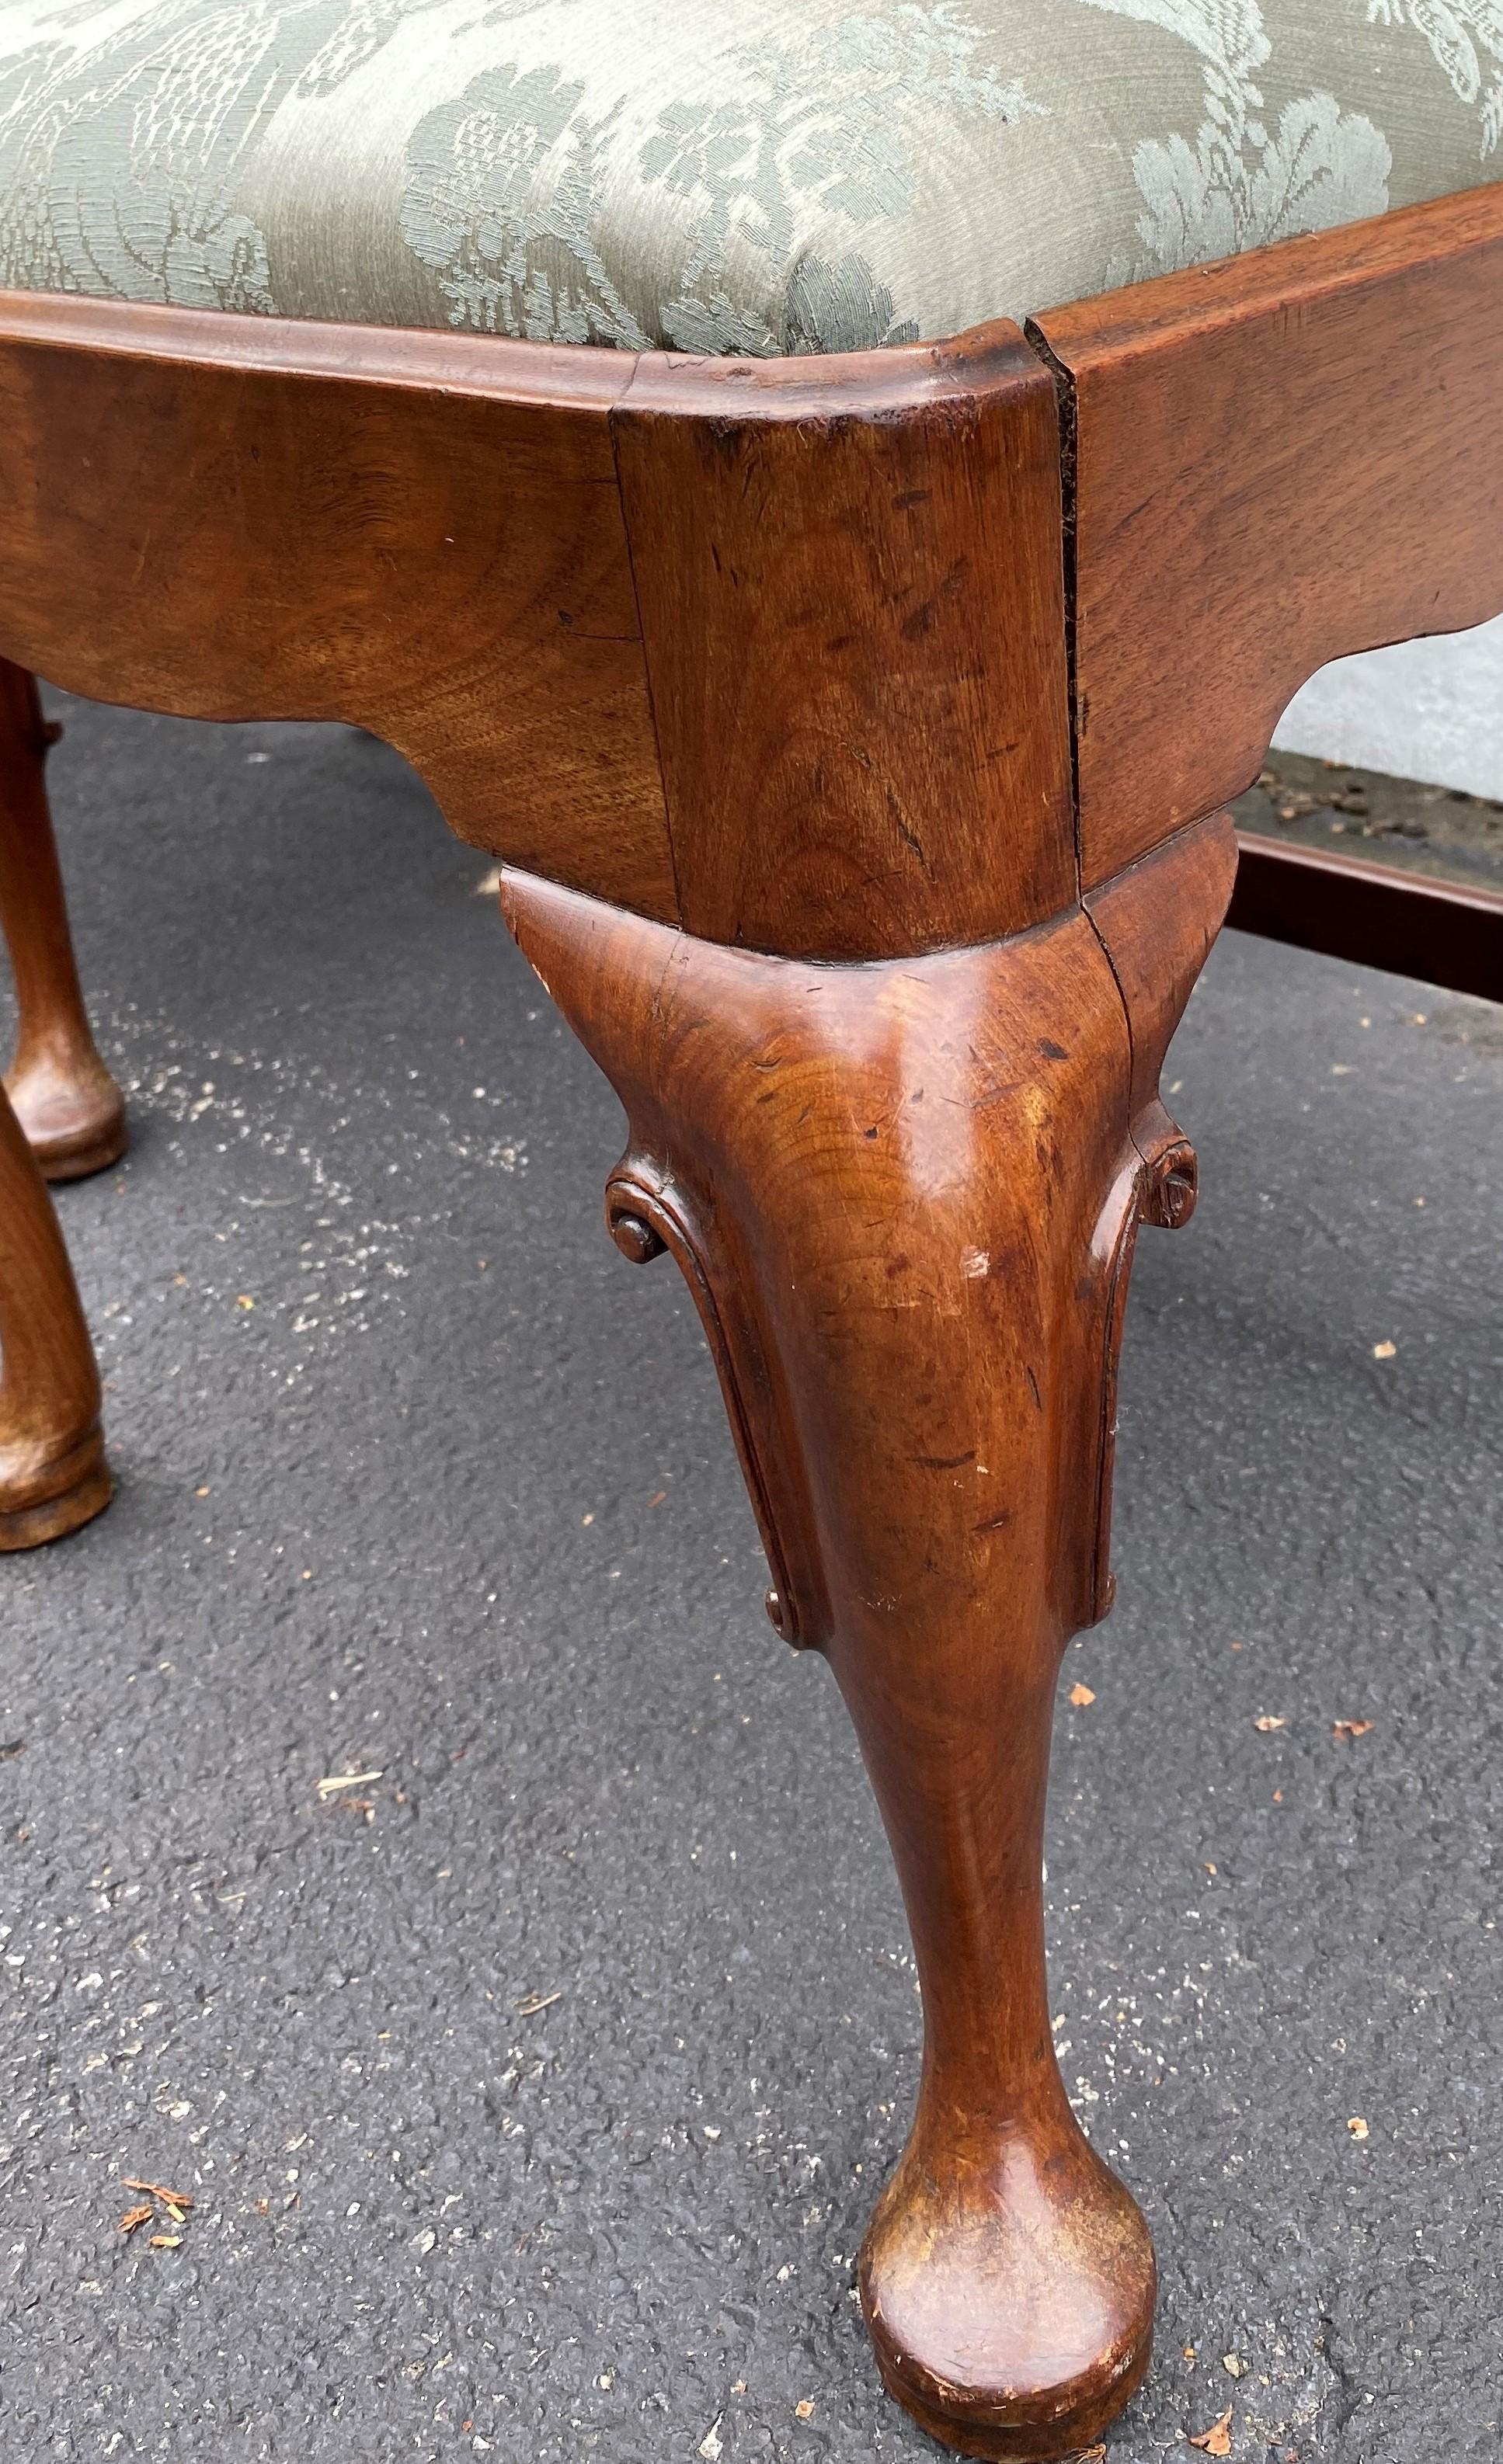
(758, 176)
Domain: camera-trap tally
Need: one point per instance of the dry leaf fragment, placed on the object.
(805, 2408)
(1385, 1350)
(536, 2002)
(1350, 1727)
(1080, 1696)
(167, 2241)
(1357, 2126)
(243, 1300)
(157, 2190)
(1268, 1723)
(134, 2216)
(1217, 2440)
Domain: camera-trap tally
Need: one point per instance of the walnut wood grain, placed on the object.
(782, 655)
(850, 572)
(851, 591)
(242, 516)
(67, 1103)
(1277, 459)
(904, 1193)
(52, 1472)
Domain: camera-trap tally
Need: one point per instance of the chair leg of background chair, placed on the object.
(67, 1103)
(52, 1473)
(906, 1194)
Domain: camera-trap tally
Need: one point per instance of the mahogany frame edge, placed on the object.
(1283, 278)
(1275, 460)
(499, 367)
(1165, 320)
(1146, 315)
(267, 451)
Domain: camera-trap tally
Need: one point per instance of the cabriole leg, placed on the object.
(67, 1103)
(906, 1194)
(52, 1472)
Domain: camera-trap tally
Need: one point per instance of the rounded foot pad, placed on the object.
(75, 1123)
(83, 1488)
(75, 1157)
(1015, 2331)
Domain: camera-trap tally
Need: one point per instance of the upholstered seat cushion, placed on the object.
(717, 175)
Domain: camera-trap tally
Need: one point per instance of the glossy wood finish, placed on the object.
(1278, 459)
(760, 679)
(424, 534)
(1373, 915)
(241, 516)
(67, 1103)
(52, 1472)
(905, 1195)
(851, 590)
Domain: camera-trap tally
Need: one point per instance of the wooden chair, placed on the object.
(853, 714)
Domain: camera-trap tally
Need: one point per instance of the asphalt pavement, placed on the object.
(532, 2082)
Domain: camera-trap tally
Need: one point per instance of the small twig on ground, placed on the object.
(345, 1779)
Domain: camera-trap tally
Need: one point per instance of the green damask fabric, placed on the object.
(756, 176)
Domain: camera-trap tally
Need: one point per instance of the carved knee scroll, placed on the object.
(727, 1062)
(647, 1215)
(904, 1194)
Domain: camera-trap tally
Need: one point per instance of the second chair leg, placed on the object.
(52, 1473)
(67, 1103)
